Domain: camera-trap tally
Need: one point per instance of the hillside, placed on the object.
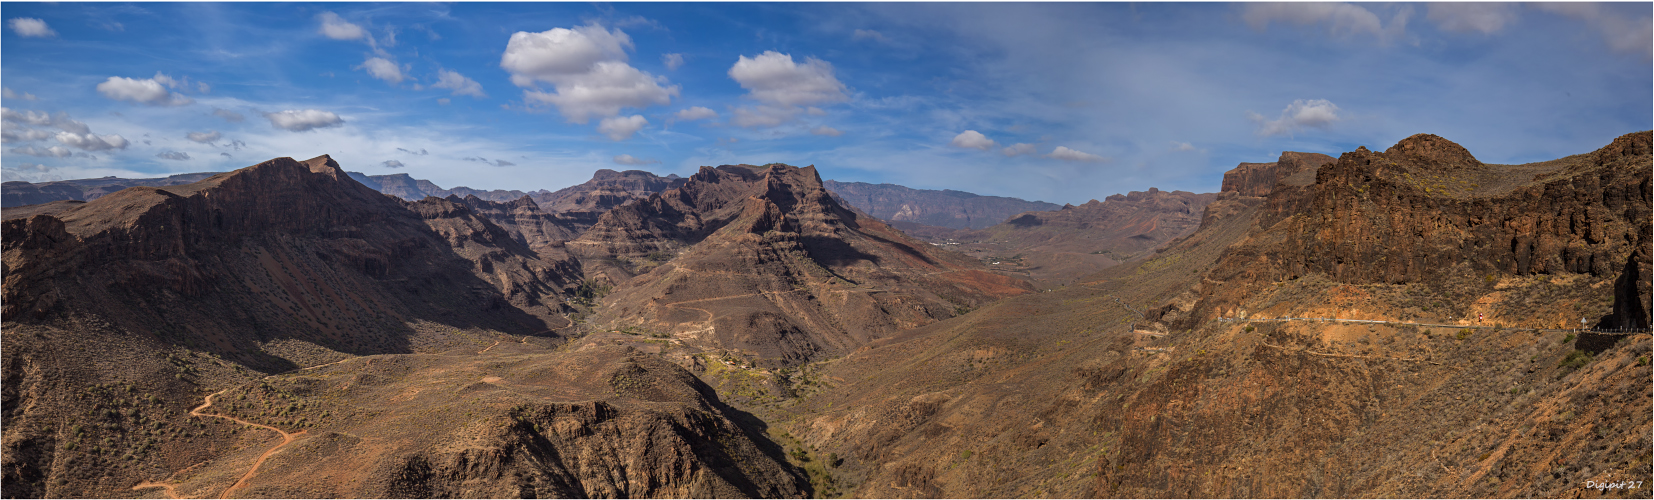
(945, 208)
(1140, 382)
(157, 294)
(778, 271)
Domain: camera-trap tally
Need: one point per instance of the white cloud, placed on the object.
(696, 113)
(173, 155)
(620, 128)
(1341, 19)
(227, 115)
(202, 87)
(30, 27)
(204, 137)
(827, 131)
(870, 35)
(971, 139)
(672, 61)
(302, 120)
(152, 91)
(337, 28)
(383, 69)
(1485, 17)
(10, 94)
(763, 116)
(91, 142)
(1623, 34)
(444, 101)
(1018, 149)
(13, 133)
(458, 83)
(773, 78)
(1182, 146)
(392, 164)
(631, 160)
(1315, 113)
(60, 120)
(54, 151)
(587, 67)
(1063, 153)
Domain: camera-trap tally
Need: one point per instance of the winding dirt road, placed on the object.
(286, 438)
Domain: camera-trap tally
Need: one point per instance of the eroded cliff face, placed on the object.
(1426, 211)
(946, 208)
(763, 262)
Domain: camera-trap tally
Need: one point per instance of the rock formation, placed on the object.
(944, 208)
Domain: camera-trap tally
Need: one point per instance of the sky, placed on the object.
(1062, 102)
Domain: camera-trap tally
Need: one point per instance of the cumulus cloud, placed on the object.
(421, 151)
(1018, 149)
(237, 145)
(620, 128)
(60, 121)
(202, 87)
(383, 69)
(763, 116)
(458, 83)
(1182, 146)
(1484, 17)
(971, 139)
(208, 137)
(1341, 19)
(1313, 113)
(827, 131)
(632, 160)
(1632, 34)
(497, 163)
(502, 163)
(870, 35)
(91, 142)
(30, 27)
(151, 91)
(173, 155)
(392, 164)
(227, 115)
(774, 78)
(696, 113)
(12, 133)
(1065, 154)
(304, 119)
(672, 61)
(338, 28)
(226, 155)
(53, 152)
(10, 94)
(587, 68)
(444, 101)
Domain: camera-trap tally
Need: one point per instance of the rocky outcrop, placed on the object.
(526, 223)
(763, 261)
(1260, 179)
(607, 189)
(944, 208)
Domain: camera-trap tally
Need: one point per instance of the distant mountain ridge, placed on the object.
(945, 208)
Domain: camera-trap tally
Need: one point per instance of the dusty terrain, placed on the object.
(1388, 323)
(946, 208)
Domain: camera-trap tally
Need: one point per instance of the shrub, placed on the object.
(1463, 333)
(1575, 359)
(1568, 338)
(1250, 329)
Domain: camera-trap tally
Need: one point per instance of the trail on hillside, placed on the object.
(286, 437)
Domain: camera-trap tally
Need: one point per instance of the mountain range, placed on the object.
(1387, 323)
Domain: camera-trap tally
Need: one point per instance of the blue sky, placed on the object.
(1057, 102)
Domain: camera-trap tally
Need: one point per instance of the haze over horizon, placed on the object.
(1053, 102)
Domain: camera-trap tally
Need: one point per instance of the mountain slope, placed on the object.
(761, 261)
(163, 292)
(1127, 386)
(945, 208)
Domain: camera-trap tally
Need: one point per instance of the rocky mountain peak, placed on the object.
(1432, 150)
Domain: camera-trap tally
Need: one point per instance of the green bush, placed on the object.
(1568, 338)
(1250, 329)
(1463, 333)
(1575, 359)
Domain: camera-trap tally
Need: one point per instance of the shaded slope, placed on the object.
(19, 193)
(118, 310)
(762, 261)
